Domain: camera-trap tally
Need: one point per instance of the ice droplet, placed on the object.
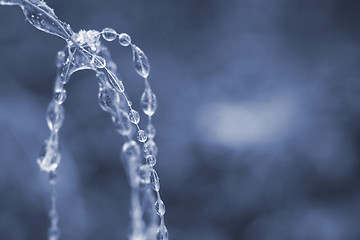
(141, 136)
(109, 34)
(160, 207)
(154, 178)
(148, 102)
(151, 160)
(141, 62)
(134, 116)
(162, 233)
(43, 18)
(124, 39)
(60, 96)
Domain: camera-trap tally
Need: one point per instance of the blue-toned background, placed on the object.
(258, 120)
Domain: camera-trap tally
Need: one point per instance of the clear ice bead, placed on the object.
(108, 100)
(143, 173)
(151, 160)
(162, 233)
(141, 62)
(134, 116)
(150, 131)
(160, 207)
(150, 148)
(141, 136)
(55, 116)
(43, 18)
(122, 123)
(148, 102)
(115, 82)
(131, 151)
(109, 34)
(99, 62)
(52, 177)
(60, 96)
(124, 39)
(154, 178)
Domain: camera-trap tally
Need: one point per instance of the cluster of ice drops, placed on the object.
(84, 50)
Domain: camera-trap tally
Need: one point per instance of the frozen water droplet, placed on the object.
(109, 34)
(122, 123)
(141, 62)
(134, 116)
(151, 160)
(99, 62)
(160, 207)
(108, 99)
(141, 136)
(55, 116)
(43, 18)
(162, 233)
(151, 131)
(143, 173)
(115, 82)
(124, 39)
(148, 102)
(154, 178)
(150, 148)
(52, 177)
(60, 96)
(131, 151)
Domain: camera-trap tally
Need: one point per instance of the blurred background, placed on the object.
(258, 125)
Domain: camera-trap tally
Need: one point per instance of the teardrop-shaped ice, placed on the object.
(162, 233)
(55, 116)
(148, 102)
(134, 116)
(115, 82)
(43, 18)
(160, 207)
(122, 123)
(154, 178)
(109, 34)
(141, 62)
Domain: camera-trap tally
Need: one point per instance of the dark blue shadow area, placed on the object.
(258, 125)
